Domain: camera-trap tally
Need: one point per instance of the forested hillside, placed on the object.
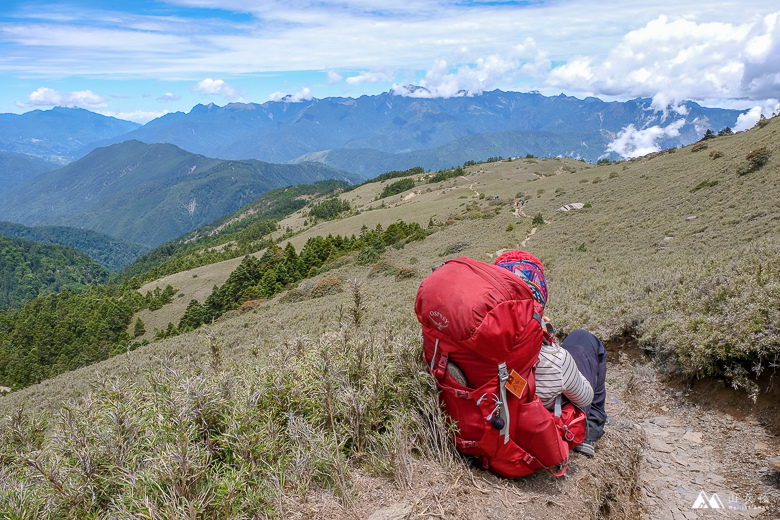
(150, 193)
(16, 168)
(29, 269)
(235, 234)
(60, 332)
(112, 253)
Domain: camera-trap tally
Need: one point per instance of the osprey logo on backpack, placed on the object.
(439, 319)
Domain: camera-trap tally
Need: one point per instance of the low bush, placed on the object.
(456, 247)
(704, 184)
(722, 323)
(367, 255)
(326, 287)
(758, 157)
(383, 268)
(405, 273)
(238, 441)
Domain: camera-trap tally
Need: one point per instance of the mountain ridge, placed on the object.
(149, 193)
(56, 134)
(282, 131)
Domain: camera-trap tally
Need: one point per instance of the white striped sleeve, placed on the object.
(575, 387)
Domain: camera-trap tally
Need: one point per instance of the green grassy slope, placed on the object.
(234, 234)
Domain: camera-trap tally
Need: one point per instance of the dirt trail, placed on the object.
(692, 449)
(532, 233)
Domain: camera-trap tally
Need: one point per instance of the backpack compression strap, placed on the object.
(503, 375)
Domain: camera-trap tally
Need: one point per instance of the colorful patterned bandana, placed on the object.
(531, 270)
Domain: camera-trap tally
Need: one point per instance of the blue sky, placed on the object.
(140, 59)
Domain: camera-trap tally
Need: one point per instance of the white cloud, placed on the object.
(761, 78)
(673, 60)
(168, 96)
(633, 142)
(719, 50)
(303, 95)
(49, 97)
(747, 120)
(334, 78)
(137, 116)
(215, 87)
(465, 80)
(371, 77)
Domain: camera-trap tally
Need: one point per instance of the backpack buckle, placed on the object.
(466, 445)
(441, 367)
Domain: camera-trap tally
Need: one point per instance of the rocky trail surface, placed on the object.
(698, 460)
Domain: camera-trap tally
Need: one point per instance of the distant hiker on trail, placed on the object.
(575, 369)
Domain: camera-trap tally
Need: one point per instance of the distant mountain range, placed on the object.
(56, 135)
(374, 134)
(367, 135)
(149, 193)
(112, 253)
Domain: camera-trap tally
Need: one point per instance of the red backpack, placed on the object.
(481, 318)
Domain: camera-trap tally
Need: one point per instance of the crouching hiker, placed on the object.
(576, 369)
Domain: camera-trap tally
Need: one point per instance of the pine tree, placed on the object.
(139, 329)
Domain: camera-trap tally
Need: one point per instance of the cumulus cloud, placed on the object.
(303, 95)
(47, 97)
(371, 77)
(468, 80)
(674, 60)
(747, 120)
(633, 142)
(165, 98)
(215, 87)
(334, 77)
(443, 80)
(761, 77)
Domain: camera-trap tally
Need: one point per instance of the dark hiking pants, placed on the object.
(591, 359)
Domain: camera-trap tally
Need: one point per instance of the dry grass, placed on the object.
(663, 230)
(700, 293)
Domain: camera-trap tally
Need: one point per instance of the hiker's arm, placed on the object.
(575, 387)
